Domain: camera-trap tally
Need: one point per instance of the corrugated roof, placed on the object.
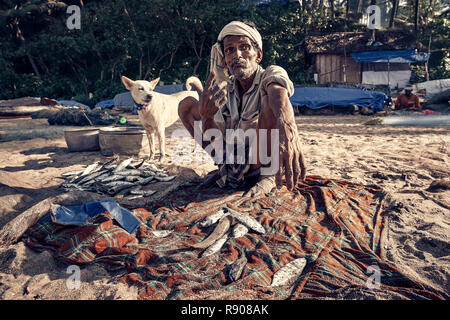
(357, 41)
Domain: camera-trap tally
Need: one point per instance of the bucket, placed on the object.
(82, 139)
(130, 141)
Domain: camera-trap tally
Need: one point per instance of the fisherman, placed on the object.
(408, 100)
(240, 94)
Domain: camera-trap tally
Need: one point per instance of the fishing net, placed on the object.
(339, 227)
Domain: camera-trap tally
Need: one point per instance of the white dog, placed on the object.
(158, 111)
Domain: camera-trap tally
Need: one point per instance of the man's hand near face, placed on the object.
(213, 98)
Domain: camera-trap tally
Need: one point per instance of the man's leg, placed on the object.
(266, 121)
(188, 110)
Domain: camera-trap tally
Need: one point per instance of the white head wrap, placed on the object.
(234, 28)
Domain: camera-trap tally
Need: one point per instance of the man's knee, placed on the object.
(187, 107)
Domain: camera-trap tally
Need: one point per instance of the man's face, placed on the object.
(241, 57)
(408, 93)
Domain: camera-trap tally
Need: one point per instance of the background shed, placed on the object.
(331, 60)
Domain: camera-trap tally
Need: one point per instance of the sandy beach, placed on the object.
(404, 161)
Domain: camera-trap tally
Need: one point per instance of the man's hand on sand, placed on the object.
(213, 98)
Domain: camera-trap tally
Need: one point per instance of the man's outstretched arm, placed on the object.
(291, 157)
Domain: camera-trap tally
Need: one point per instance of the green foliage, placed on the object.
(146, 39)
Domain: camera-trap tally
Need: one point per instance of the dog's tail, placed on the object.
(194, 82)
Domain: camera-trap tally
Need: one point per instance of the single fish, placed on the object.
(102, 176)
(131, 178)
(106, 165)
(162, 174)
(165, 179)
(239, 230)
(137, 190)
(112, 178)
(247, 220)
(289, 272)
(161, 233)
(91, 177)
(137, 164)
(147, 173)
(128, 172)
(237, 267)
(222, 227)
(72, 173)
(151, 166)
(90, 169)
(145, 181)
(117, 186)
(139, 196)
(213, 218)
(122, 165)
(148, 193)
(215, 247)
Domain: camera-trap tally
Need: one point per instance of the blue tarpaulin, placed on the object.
(392, 56)
(105, 104)
(319, 97)
(80, 215)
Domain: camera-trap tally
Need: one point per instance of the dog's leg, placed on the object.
(151, 143)
(162, 143)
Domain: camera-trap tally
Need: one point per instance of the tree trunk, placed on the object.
(426, 63)
(393, 13)
(332, 8)
(358, 6)
(141, 58)
(20, 36)
(416, 14)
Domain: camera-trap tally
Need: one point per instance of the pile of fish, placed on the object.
(116, 178)
(232, 223)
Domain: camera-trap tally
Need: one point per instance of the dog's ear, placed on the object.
(153, 83)
(128, 83)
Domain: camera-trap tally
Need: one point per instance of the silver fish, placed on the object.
(117, 186)
(148, 193)
(90, 169)
(128, 172)
(162, 174)
(137, 190)
(289, 272)
(139, 196)
(247, 220)
(113, 178)
(131, 178)
(136, 165)
(147, 173)
(237, 267)
(239, 230)
(164, 179)
(102, 176)
(222, 228)
(215, 247)
(213, 218)
(145, 181)
(122, 165)
(151, 166)
(91, 177)
(72, 173)
(161, 233)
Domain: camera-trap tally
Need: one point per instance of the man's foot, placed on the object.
(210, 179)
(264, 185)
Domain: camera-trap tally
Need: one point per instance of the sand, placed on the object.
(402, 160)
